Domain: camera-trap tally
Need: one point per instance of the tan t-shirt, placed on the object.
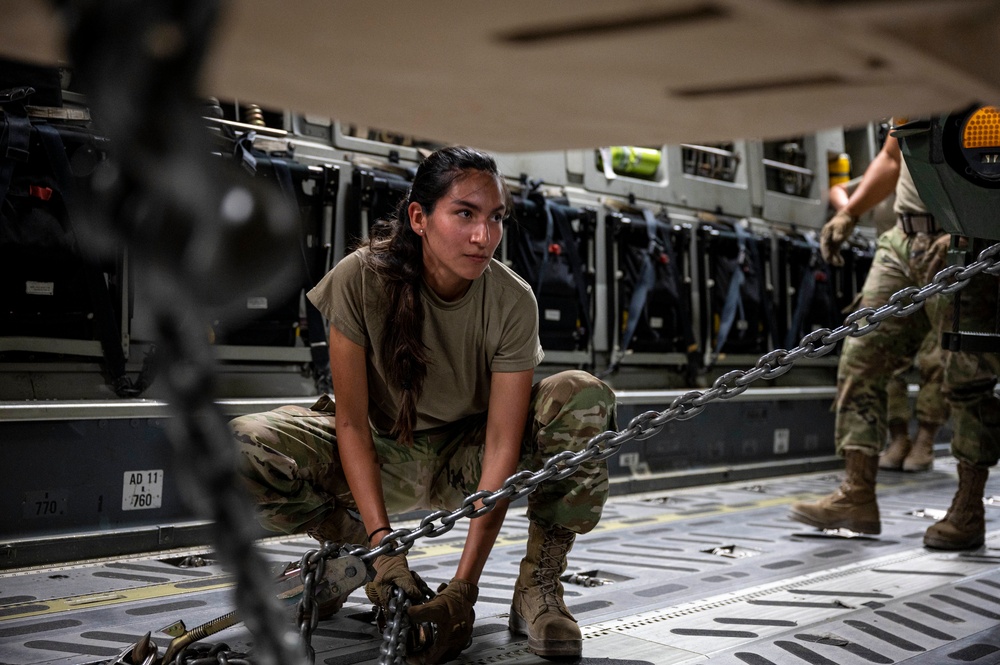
(907, 197)
(492, 328)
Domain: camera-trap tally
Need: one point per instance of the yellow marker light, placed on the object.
(978, 138)
(982, 129)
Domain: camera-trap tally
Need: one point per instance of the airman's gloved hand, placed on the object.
(833, 235)
(452, 614)
(392, 571)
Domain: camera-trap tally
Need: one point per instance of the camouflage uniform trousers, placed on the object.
(931, 406)
(291, 464)
(969, 378)
(868, 363)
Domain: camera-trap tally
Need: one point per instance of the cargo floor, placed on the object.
(716, 573)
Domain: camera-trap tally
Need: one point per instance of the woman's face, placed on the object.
(461, 234)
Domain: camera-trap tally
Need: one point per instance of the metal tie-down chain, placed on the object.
(818, 343)
(393, 650)
(397, 629)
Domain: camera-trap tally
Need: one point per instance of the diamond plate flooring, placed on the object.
(713, 574)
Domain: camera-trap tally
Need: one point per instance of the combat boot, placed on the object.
(537, 609)
(852, 505)
(341, 528)
(964, 525)
(899, 447)
(921, 457)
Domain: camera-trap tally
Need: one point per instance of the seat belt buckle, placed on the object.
(16, 94)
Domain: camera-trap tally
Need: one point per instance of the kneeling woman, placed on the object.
(433, 346)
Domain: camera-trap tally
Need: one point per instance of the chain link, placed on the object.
(204, 654)
(397, 628)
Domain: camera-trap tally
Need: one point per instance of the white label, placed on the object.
(142, 489)
(781, 439)
(655, 322)
(257, 302)
(552, 315)
(628, 459)
(40, 288)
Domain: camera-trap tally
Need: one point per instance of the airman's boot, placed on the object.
(964, 525)
(852, 505)
(341, 528)
(921, 456)
(899, 447)
(537, 609)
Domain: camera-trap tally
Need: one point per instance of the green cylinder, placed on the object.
(633, 161)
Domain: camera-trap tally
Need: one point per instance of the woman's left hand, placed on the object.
(391, 572)
(451, 612)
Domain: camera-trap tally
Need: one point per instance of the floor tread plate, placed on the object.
(713, 574)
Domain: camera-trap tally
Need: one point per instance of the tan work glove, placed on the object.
(390, 572)
(833, 235)
(451, 613)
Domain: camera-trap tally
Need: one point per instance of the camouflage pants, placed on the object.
(868, 363)
(292, 468)
(931, 406)
(969, 378)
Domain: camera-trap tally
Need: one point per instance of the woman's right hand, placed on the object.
(391, 572)
(452, 613)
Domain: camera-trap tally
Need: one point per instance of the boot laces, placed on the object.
(964, 497)
(551, 560)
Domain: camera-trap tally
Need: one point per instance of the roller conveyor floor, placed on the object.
(714, 573)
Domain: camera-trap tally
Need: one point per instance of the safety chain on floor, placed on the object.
(818, 343)
(218, 654)
(397, 628)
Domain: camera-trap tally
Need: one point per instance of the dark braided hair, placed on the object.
(396, 254)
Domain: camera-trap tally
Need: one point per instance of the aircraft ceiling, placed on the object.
(525, 75)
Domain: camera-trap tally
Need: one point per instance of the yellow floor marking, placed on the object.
(431, 549)
(75, 603)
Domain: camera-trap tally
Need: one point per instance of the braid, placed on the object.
(396, 254)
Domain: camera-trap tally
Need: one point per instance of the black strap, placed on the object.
(733, 303)
(806, 300)
(283, 174)
(560, 216)
(645, 283)
(55, 150)
(243, 152)
(911, 223)
(315, 325)
(806, 292)
(108, 331)
(15, 135)
(543, 205)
